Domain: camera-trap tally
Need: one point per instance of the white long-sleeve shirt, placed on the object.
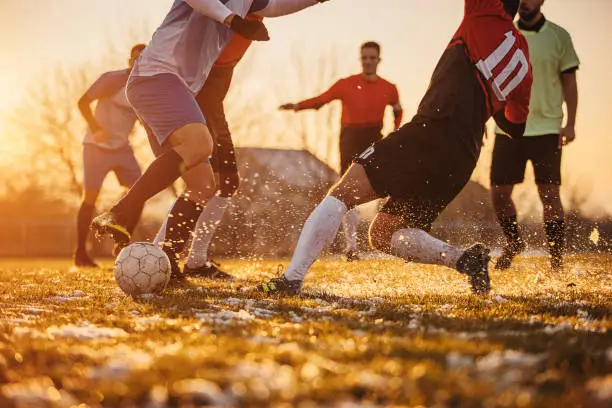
(192, 36)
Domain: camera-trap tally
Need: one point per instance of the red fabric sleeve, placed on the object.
(333, 93)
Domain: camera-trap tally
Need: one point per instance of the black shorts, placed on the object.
(422, 168)
(510, 157)
(353, 141)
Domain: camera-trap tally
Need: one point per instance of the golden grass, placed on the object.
(375, 332)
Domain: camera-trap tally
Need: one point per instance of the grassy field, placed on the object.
(372, 333)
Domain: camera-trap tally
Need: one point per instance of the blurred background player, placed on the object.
(210, 99)
(106, 146)
(421, 167)
(364, 98)
(555, 63)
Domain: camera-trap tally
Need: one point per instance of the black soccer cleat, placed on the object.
(475, 263)
(352, 256)
(509, 252)
(109, 224)
(281, 286)
(210, 270)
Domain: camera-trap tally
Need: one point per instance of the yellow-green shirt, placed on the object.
(551, 52)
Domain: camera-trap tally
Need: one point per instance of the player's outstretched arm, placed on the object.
(277, 8)
(214, 9)
(211, 8)
(333, 93)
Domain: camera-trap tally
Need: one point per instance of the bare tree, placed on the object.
(49, 120)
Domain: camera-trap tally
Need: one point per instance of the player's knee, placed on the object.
(193, 143)
(228, 184)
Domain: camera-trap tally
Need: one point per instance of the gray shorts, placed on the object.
(98, 162)
(164, 103)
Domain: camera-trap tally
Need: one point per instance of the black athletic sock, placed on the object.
(510, 227)
(133, 221)
(84, 218)
(181, 222)
(161, 174)
(555, 236)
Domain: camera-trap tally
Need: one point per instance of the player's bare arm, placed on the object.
(570, 95)
(98, 133)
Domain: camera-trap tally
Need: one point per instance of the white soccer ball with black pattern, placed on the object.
(142, 268)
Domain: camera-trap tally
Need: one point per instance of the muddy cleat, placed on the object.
(475, 263)
(508, 253)
(84, 261)
(352, 256)
(210, 270)
(281, 286)
(109, 224)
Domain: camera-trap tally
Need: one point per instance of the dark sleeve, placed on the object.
(515, 130)
(258, 5)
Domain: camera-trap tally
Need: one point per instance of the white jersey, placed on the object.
(187, 43)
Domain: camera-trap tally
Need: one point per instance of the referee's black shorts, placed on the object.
(421, 168)
(510, 157)
(354, 140)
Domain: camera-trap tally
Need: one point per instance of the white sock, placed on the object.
(416, 245)
(207, 223)
(161, 234)
(319, 230)
(350, 221)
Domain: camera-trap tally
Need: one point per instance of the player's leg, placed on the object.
(507, 169)
(95, 169)
(128, 172)
(168, 107)
(224, 165)
(353, 141)
(406, 236)
(322, 226)
(546, 159)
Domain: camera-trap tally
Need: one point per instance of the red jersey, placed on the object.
(363, 101)
(238, 46)
(501, 55)
(485, 69)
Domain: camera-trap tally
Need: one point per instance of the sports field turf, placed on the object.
(370, 333)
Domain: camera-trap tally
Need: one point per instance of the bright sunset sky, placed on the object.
(36, 35)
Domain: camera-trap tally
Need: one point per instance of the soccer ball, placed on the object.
(142, 268)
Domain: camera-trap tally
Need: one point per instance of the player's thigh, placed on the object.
(96, 165)
(127, 168)
(545, 155)
(509, 161)
(168, 108)
(354, 188)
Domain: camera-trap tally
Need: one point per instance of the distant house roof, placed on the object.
(293, 168)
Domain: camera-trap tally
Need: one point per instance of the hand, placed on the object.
(567, 136)
(250, 29)
(288, 106)
(100, 136)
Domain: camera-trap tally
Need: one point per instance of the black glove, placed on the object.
(250, 29)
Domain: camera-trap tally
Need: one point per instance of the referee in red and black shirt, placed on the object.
(364, 99)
